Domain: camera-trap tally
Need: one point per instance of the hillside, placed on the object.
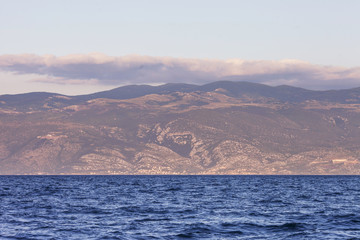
(218, 128)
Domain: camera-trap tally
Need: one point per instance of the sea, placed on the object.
(179, 207)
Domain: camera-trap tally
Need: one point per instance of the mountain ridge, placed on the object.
(218, 128)
(234, 89)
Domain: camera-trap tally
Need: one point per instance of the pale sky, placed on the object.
(312, 44)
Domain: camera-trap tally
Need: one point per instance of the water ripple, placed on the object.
(179, 207)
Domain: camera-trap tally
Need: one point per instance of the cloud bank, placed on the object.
(134, 69)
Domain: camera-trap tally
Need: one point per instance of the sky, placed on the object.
(82, 46)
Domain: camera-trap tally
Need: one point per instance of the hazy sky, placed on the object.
(83, 46)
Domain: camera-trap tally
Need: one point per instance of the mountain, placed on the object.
(217, 128)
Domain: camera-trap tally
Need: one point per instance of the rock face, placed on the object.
(218, 128)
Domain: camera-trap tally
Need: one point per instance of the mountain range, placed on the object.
(218, 128)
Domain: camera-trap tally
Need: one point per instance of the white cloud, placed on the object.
(98, 68)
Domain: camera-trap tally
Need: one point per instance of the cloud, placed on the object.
(98, 68)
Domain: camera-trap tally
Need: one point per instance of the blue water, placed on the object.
(179, 207)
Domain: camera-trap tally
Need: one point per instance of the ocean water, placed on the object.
(179, 207)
